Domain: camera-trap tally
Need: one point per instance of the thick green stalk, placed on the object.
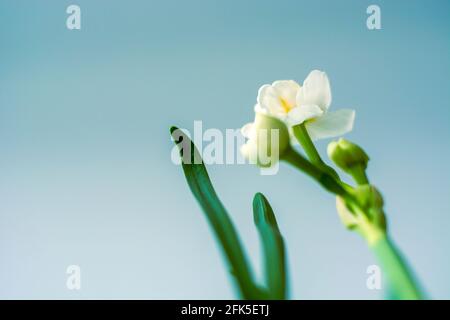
(397, 272)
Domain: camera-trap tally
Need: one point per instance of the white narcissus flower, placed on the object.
(295, 104)
(267, 140)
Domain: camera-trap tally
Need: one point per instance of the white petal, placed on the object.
(287, 90)
(346, 216)
(259, 109)
(300, 114)
(331, 124)
(249, 151)
(315, 90)
(268, 99)
(248, 130)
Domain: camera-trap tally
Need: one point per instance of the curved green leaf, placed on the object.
(202, 189)
(273, 247)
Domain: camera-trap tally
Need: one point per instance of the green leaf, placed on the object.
(273, 247)
(202, 189)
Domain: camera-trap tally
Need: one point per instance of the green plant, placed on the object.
(299, 115)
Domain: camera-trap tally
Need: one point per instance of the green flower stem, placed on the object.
(359, 175)
(305, 141)
(398, 275)
(397, 272)
(324, 178)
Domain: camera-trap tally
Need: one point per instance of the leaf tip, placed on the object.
(173, 129)
(263, 211)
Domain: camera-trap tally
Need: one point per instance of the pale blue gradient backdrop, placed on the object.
(85, 170)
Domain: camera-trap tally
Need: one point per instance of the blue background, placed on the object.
(85, 170)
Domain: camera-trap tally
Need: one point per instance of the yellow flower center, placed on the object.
(286, 105)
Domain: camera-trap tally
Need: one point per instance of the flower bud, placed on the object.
(347, 217)
(267, 141)
(347, 155)
(372, 201)
(368, 220)
(369, 197)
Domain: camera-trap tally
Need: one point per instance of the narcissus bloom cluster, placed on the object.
(288, 113)
(294, 105)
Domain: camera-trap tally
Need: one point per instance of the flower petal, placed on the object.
(249, 151)
(287, 90)
(248, 130)
(268, 99)
(315, 90)
(259, 109)
(300, 114)
(346, 216)
(331, 124)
